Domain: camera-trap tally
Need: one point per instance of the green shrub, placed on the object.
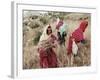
(34, 17)
(44, 20)
(34, 24)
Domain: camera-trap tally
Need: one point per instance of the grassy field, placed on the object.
(33, 24)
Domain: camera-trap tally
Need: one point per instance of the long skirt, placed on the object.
(48, 58)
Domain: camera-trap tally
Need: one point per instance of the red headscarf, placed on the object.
(60, 23)
(77, 35)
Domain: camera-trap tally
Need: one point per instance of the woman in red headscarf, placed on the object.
(48, 57)
(78, 36)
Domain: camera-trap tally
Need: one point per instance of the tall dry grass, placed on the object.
(30, 52)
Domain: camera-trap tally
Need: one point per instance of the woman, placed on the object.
(61, 28)
(78, 36)
(48, 57)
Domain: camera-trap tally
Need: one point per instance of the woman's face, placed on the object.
(49, 31)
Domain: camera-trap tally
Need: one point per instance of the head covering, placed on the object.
(77, 35)
(83, 25)
(44, 35)
(60, 23)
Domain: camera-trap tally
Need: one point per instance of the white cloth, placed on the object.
(74, 48)
(44, 35)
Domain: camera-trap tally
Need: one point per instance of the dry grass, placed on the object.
(31, 55)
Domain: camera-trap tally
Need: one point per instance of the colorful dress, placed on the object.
(48, 57)
(77, 35)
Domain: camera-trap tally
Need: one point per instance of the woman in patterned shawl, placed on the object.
(48, 57)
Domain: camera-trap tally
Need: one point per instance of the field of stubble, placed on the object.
(33, 27)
